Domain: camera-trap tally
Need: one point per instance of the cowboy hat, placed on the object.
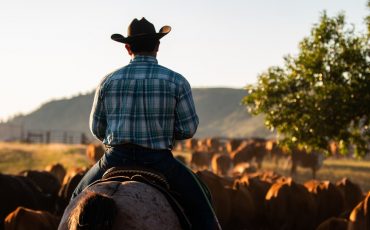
(139, 29)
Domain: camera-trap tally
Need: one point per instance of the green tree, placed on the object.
(322, 94)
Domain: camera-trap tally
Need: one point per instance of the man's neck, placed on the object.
(152, 54)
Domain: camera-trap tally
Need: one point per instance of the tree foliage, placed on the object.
(322, 94)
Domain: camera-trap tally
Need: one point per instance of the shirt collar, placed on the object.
(141, 58)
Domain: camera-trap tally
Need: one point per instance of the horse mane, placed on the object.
(93, 212)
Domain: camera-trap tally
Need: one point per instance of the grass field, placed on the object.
(15, 157)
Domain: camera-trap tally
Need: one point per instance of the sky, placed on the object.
(58, 49)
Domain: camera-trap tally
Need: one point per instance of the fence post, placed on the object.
(83, 139)
(22, 133)
(28, 137)
(47, 138)
(65, 137)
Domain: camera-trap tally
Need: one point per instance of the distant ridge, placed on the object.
(219, 110)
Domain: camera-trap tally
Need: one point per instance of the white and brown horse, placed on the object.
(114, 204)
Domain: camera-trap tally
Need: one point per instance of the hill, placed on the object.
(219, 110)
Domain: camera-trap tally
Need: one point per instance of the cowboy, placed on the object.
(139, 111)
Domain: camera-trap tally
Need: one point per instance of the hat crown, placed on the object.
(140, 27)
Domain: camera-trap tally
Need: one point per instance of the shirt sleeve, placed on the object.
(98, 121)
(186, 119)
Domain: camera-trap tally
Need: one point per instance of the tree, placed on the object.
(322, 94)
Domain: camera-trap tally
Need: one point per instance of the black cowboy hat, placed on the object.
(139, 30)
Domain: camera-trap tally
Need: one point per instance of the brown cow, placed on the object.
(202, 145)
(352, 194)
(191, 144)
(360, 215)
(329, 199)
(221, 164)
(25, 219)
(200, 160)
(95, 151)
(214, 144)
(21, 191)
(258, 190)
(333, 223)
(300, 157)
(57, 170)
(275, 151)
(248, 150)
(290, 206)
(46, 181)
(220, 196)
(242, 209)
(233, 144)
(65, 193)
(178, 146)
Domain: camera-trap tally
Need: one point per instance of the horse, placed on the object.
(125, 198)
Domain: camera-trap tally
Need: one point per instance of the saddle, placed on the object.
(151, 178)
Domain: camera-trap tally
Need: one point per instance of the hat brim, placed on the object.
(162, 32)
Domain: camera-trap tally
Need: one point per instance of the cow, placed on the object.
(191, 144)
(275, 151)
(360, 215)
(200, 160)
(214, 144)
(220, 196)
(21, 191)
(300, 157)
(242, 208)
(202, 145)
(178, 146)
(221, 164)
(352, 194)
(329, 199)
(333, 223)
(95, 151)
(232, 144)
(258, 190)
(65, 193)
(243, 168)
(268, 176)
(290, 206)
(333, 148)
(46, 181)
(24, 219)
(57, 170)
(249, 150)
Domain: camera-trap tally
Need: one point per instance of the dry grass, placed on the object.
(15, 157)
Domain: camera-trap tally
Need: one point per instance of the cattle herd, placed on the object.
(243, 195)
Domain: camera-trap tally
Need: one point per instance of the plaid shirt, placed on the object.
(143, 103)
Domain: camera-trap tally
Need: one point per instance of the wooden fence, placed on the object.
(9, 132)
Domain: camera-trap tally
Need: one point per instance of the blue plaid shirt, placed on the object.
(143, 103)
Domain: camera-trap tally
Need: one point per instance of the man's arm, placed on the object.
(98, 122)
(186, 119)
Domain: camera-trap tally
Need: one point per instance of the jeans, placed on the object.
(182, 180)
